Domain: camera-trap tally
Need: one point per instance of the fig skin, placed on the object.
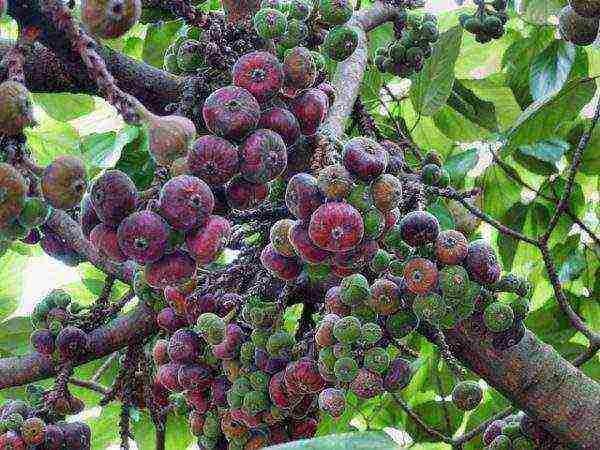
(64, 182)
(186, 202)
(143, 236)
(114, 197)
(170, 138)
(16, 109)
(13, 189)
(110, 19)
(213, 159)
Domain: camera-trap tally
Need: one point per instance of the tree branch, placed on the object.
(350, 73)
(128, 329)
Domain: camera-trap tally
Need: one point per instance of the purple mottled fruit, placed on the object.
(168, 320)
(310, 108)
(88, 218)
(13, 190)
(184, 346)
(213, 160)
(386, 192)
(263, 156)
(482, 263)
(143, 236)
(168, 376)
(160, 352)
(64, 182)
(365, 158)
(114, 197)
(42, 341)
(110, 19)
(398, 375)
(231, 112)
(186, 202)
(197, 401)
(335, 182)
(54, 438)
(194, 377)
(332, 401)
(244, 195)
(204, 244)
(367, 384)
(280, 237)
(334, 304)
(260, 73)
(329, 91)
(174, 269)
(419, 228)
(299, 70)
(336, 227)
(72, 342)
(303, 377)
(170, 138)
(302, 195)
(283, 122)
(104, 239)
(358, 257)
(218, 390)
(281, 266)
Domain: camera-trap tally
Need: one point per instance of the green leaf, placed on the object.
(64, 106)
(12, 267)
(432, 413)
(507, 245)
(543, 156)
(432, 86)
(52, 139)
(136, 160)
(550, 323)
(517, 61)
(158, 37)
(551, 68)
(14, 336)
(177, 434)
(104, 149)
(478, 111)
(459, 165)
(542, 119)
(347, 441)
(499, 191)
(539, 11)
(590, 160)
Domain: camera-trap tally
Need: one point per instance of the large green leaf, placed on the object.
(507, 245)
(544, 117)
(346, 441)
(550, 323)
(177, 434)
(551, 68)
(158, 38)
(540, 11)
(432, 412)
(14, 336)
(136, 160)
(104, 149)
(500, 191)
(458, 165)
(12, 267)
(52, 139)
(64, 106)
(465, 101)
(517, 61)
(590, 161)
(432, 86)
(542, 157)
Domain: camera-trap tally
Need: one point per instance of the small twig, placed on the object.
(91, 385)
(417, 419)
(483, 426)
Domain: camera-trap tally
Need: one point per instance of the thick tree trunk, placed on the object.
(536, 379)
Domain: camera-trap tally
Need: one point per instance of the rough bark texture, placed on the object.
(153, 87)
(128, 329)
(537, 380)
(350, 73)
